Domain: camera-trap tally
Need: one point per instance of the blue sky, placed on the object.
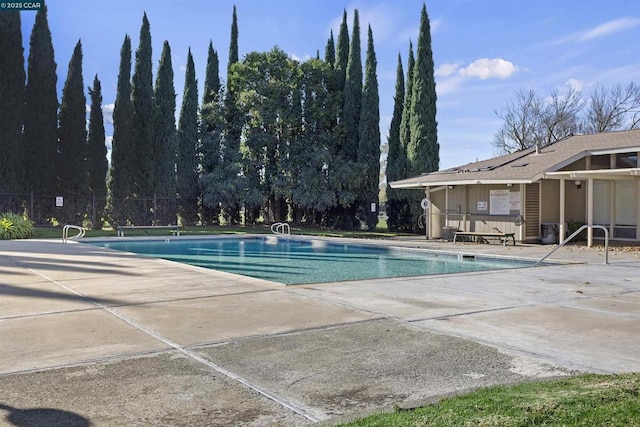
(484, 50)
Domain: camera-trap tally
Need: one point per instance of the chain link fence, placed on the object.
(91, 212)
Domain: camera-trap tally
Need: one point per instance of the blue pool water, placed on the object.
(291, 261)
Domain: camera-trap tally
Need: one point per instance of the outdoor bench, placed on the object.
(175, 229)
(480, 236)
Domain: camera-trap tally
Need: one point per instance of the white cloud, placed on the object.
(615, 26)
(446, 70)
(304, 57)
(107, 112)
(449, 85)
(109, 144)
(485, 68)
(602, 30)
(575, 84)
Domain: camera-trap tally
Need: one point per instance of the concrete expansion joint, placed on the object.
(300, 409)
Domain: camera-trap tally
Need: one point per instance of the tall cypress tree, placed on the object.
(396, 158)
(123, 167)
(212, 76)
(12, 81)
(330, 51)
(233, 44)
(41, 101)
(143, 116)
(165, 128)
(369, 138)
(97, 150)
(73, 174)
(231, 137)
(405, 198)
(423, 150)
(405, 124)
(352, 94)
(342, 51)
(210, 129)
(187, 164)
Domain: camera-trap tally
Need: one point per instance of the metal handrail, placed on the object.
(65, 232)
(575, 233)
(280, 228)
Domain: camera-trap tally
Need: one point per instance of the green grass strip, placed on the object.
(587, 400)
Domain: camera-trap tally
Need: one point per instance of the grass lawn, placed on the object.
(586, 400)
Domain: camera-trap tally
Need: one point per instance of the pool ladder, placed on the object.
(280, 228)
(65, 232)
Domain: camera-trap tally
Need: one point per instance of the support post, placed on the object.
(590, 211)
(562, 210)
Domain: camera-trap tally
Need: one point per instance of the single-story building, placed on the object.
(541, 193)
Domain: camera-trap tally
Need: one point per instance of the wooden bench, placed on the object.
(175, 229)
(479, 236)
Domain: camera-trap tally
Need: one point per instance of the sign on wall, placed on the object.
(515, 201)
(482, 206)
(499, 202)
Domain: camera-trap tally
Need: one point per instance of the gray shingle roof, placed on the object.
(526, 166)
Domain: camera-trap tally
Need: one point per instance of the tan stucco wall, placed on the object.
(575, 201)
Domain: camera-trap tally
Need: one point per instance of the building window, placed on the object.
(626, 160)
(601, 162)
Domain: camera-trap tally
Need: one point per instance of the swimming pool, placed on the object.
(291, 261)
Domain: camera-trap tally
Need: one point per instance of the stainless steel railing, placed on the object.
(575, 233)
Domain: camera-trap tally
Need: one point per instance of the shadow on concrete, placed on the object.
(43, 417)
(21, 291)
(67, 264)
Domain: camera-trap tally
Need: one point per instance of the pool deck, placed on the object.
(90, 336)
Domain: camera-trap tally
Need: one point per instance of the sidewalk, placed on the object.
(96, 337)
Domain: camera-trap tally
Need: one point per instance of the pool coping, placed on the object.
(335, 242)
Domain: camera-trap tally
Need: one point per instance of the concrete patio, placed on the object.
(90, 336)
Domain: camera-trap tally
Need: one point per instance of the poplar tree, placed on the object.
(164, 150)
(97, 150)
(423, 150)
(187, 161)
(143, 116)
(72, 134)
(123, 167)
(12, 91)
(369, 139)
(396, 158)
(41, 101)
(330, 51)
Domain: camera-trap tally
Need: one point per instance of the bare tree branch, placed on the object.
(617, 108)
(530, 120)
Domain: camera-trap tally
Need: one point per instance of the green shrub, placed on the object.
(13, 226)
